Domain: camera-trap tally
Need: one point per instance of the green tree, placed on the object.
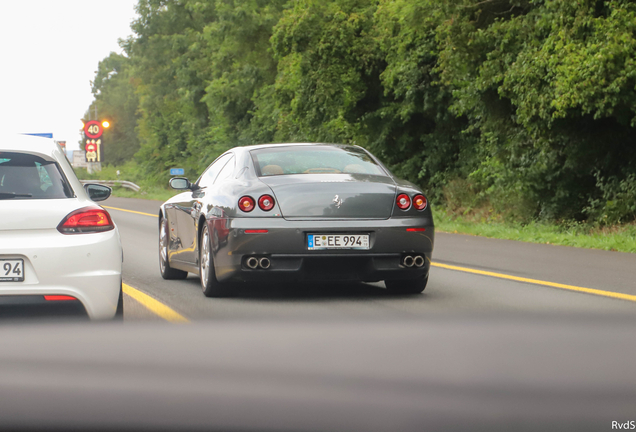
(550, 87)
(173, 118)
(116, 101)
(527, 106)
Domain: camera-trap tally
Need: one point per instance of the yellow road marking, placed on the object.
(155, 306)
(131, 211)
(540, 282)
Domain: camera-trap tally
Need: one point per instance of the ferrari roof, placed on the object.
(260, 146)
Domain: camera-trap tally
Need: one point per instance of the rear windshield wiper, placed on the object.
(9, 195)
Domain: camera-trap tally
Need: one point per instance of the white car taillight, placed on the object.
(86, 220)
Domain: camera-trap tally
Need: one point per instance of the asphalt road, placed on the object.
(456, 290)
(507, 336)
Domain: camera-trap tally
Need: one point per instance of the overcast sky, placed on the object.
(50, 52)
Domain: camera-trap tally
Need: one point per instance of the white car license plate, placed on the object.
(11, 270)
(337, 241)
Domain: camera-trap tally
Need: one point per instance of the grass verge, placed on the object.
(621, 238)
(130, 172)
(150, 193)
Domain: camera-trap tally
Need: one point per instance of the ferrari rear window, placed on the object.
(26, 176)
(271, 161)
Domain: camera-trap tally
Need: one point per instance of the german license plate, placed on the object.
(337, 241)
(11, 270)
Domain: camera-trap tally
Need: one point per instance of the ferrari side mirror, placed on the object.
(180, 183)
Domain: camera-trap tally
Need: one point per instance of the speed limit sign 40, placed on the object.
(93, 129)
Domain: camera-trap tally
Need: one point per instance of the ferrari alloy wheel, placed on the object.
(409, 286)
(210, 286)
(164, 265)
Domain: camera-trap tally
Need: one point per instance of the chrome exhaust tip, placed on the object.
(418, 261)
(264, 263)
(252, 262)
(408, 261)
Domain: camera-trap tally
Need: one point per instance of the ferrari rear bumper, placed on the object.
(367, 268)
(284, 246)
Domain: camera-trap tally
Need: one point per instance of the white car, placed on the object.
(57, 247)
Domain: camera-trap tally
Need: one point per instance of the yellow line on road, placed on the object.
(131, 211)
(540, 282)
(155, 306)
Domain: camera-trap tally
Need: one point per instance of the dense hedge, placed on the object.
(524, 107)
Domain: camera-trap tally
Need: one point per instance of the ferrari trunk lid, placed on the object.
(333, 196)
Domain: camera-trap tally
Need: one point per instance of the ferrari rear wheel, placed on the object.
(409, 286)
(210, 286)
(167, 272)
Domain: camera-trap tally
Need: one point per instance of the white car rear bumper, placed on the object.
(84, 266)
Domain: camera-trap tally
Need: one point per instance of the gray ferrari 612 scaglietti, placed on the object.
(296, 212)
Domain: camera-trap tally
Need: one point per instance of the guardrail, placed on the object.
(111, 183)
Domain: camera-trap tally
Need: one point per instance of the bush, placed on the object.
(618, 202)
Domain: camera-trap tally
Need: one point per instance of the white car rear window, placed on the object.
(27, 176)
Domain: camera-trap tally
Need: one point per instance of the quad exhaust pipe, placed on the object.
(255, 262)
(410, 261)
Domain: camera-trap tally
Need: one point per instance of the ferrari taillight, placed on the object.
(86, 220)
(403, 201)
(246, 204)
(419, 202)
(266, 202)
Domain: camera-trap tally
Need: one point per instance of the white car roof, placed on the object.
(29, 144)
